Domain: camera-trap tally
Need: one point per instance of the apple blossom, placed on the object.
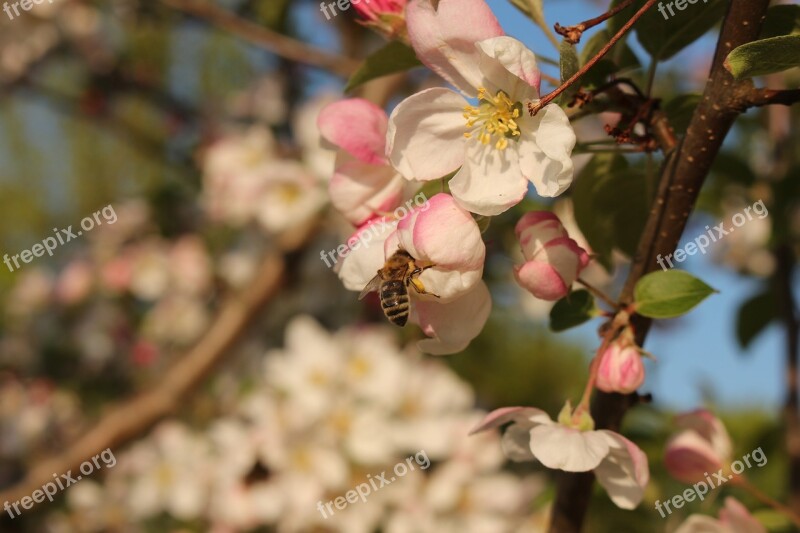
(373, 9)
(621, 368)
(497, 145)
(553, 259)
(363, 184)
(734, 518)
(445, 237)
(620, 466)
(702, 445)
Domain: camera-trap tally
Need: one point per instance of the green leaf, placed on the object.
(669, 294)
(781, 20)
(569, 66)
(664, 35)
(573, 310)
(754, 316)
(534, 9)
(392, 58)
(680, 110)
(615, 23)
(621, 57)
(595, 225)
(766, 56)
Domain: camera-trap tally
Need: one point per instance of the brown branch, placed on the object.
(535, 108)
(763, 97)
(131, 419)
(787, 307)
(573, 34)
(682, 177)
(273, 41)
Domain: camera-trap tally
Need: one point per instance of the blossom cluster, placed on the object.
(480, 135)
(326, 410)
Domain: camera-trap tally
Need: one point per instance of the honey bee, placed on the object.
(392, 283)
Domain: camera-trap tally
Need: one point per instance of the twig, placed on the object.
(741, 481)
(573, 34)
(535, 108)
(273, 41)
(600, 294)
(764, 97)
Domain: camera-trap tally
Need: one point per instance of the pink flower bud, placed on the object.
(621, 369)
(702, 446)
(553, 260)
(373, 9)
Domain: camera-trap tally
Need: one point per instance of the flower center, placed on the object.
(493, 119)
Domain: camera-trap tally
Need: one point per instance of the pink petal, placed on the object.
(542, 280)
(738, 518)
(509, 66)
(360, 190)
(563, 448)
(357, 126)
(426, 134)
(490, 182)
(710, 428)
(534, 218)
(453, 325)
(445, 39)
(624, 473)
(688, 457)
(444, 234)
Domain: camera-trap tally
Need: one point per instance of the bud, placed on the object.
(553, 260)
(702, 446)
(621, 369)
(385, 16)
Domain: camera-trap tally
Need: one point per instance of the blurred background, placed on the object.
(202, 141)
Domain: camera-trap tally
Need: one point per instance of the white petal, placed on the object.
(360, 190)
(359, 264)
(563, 448)
(490, 182)
(624, 473)
(425, 140)
(509, 66)
(452, 325)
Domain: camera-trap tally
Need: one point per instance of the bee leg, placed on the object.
(419, 287)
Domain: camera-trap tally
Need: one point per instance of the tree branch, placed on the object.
(682, 177)
(763, 97)
(129, 420)
(273, 41)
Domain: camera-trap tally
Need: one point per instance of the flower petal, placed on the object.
(545, 149)
(426, 134)
(710, 428)
(446, 236)
(364, 254)
(738, 518)
(453, 325)
(360, 190)
(490, 182)
(524, 416)
(624, 473)
(444, 39)
(508, 65)
(357, 126)
(563, 448)
(688, 456)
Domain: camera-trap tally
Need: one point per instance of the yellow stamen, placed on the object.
(494, 116)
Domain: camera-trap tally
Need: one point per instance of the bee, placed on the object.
(392, 283)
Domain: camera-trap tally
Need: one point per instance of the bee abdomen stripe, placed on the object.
(395, 311)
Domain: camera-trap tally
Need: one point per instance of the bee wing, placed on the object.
(373, 285)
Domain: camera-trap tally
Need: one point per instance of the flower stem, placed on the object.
(744, 483)
(573, 33)
(600, 294)
(535, 108)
